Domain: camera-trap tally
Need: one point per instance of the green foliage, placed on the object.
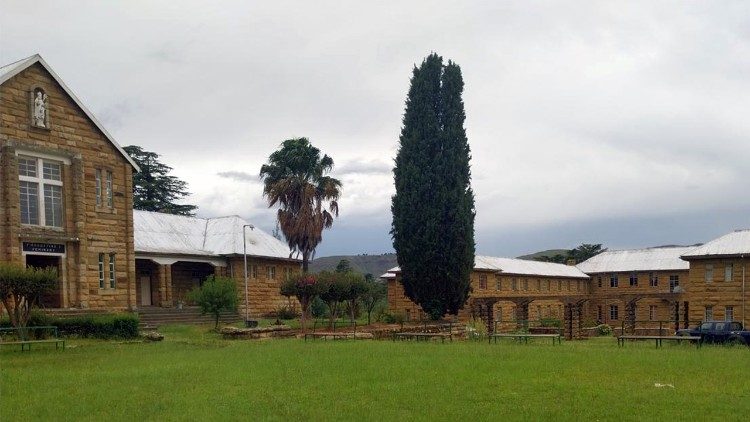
(122, 326)
(286, 312)
(577, 255)
(21, 288)
(343, 266)
(433, 208)
(476, 329)
(550, 322)
(216, 295)
(153, 188)
(604, 330)
(374, 295)
(334, 290)
(296, 179)
(318, 308)
(304, 287)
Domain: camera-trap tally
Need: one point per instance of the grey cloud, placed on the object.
(364, 167)
(239, 176)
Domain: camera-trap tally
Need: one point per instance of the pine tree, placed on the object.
(153, 188)
(433, 208)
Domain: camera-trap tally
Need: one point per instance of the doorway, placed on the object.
(146, 290)
(51, 299)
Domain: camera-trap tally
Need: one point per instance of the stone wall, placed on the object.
(720, 293)
(87, 229)
(263, 288)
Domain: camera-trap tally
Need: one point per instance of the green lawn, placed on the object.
(194, 375)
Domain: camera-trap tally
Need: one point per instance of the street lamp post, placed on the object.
(244, 254)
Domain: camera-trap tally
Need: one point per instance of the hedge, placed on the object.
(87, 326)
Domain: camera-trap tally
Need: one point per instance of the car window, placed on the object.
(720, 326)
(706, 326)
(736, 326)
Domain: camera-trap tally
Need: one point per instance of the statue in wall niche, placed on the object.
(39, 110)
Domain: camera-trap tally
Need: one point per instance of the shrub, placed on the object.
(318, 308)
(123, 326)
(305, 288)
(551, 322)
(21, 288)
(476, 329)
(216, 295)
(286, 312)
(604, 330)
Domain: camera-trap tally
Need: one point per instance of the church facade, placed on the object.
(66, 194)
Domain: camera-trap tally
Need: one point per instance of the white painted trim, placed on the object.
(44, 156)
(171, 260)
(36, 58)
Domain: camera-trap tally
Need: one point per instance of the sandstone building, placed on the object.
(174, 254)
(66, 195)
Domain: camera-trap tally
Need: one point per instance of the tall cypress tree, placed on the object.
(433, 208)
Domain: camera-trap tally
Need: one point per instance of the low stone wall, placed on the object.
(273, 331)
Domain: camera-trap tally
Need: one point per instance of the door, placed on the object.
(53, 298)
(145, 290)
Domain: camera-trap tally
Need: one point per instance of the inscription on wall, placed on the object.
(43, 247)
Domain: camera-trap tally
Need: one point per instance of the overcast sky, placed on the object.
(605, 122)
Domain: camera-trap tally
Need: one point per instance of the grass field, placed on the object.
(194, 375)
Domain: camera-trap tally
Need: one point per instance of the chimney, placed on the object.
(571, 262)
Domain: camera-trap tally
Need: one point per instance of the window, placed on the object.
(674, 281)
(483, 281)
(538, 285)
(408, 315)
(499, 313)
(254, 271)
(729, 313)
(40, 189)
(567, 285)
(613, 312)
(599, 313)
(111, 271)
(559, 285)
(271, 272)
(651, 312)
(98, 187)
(498, 284)
(709, 273)
(287, 273)
(599, 281)
(709, 313)
(633, 280)
(513, 284)
(653, 279)
(613, 280)
(525, 284)
(101, 270)
(728, 270)
(546, 284)
(108, 189)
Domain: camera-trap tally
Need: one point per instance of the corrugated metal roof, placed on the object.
(647, 259)
(735, 243)
(521, 267)
(156, 232)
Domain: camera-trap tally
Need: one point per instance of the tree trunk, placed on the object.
(305, 261)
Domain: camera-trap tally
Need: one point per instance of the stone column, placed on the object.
(572, 320)
(161, 276)
(168, 283)
(79, 220)
(676, 315)
(522, 313)
(630, 315)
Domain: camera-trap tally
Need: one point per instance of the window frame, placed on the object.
(483, 281)
(708, 313)
(112, 271)
(729, 313)
(41, 182)
(109, 189)
(728, 272)
(633, 280)
(614, 281)
(614, 313)
(709, 273)
(653, 279)
(271, 272)
(101, 270)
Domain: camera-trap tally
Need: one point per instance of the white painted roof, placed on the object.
(10, 70)
(735, 243)
(521, 267)
(160, 233)
(389, 274)
(648, 259)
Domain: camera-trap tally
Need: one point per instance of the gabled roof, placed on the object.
(731, 244)
(10, 70)
(159, 233)
(520, 267)
(648, 259)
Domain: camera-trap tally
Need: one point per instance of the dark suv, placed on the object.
(718, 332)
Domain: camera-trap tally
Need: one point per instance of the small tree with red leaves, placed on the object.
(305, 288)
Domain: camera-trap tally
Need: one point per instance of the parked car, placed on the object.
(718, 332)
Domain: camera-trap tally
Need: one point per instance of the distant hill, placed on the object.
(373, 264)
(549, 253)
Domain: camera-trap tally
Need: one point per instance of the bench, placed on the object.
(427, 332)
(22, 335)
(556, 338)
(424, 336)
(333, 334)
(659, 339)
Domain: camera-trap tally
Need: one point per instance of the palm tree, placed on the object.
(295, 178)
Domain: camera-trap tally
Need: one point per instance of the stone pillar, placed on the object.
(676, 315)
(630, 316)
(522, 313)
(686, 315)
(572, 320)
(161, 277)
(168, 283)
(79, 220)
